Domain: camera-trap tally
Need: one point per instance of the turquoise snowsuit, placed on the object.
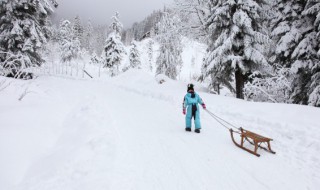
(193, 111)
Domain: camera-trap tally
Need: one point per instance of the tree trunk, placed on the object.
(239, 83)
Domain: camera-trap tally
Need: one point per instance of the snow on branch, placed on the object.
(313, 9)
(275, 88)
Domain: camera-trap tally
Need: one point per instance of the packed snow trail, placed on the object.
(128, 133)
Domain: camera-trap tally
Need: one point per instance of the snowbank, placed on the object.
(128, 133)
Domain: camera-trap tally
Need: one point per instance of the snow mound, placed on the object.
(162, 78)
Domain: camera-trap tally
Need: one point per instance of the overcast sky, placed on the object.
(101, 11)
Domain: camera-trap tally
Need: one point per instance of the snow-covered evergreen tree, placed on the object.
(78, 29)
(99, 39)
(88, 37)
(150, 54)
(288, 27)
(114, 48)
(296, 33)
(169, 60)
(55, 34)
(24, 29)
(237, 40)
(134, 56)
(306, 58)
(116, 26)
(113, 53)
(69, 43)
(312, 9)
(97, 61)
(145, 28)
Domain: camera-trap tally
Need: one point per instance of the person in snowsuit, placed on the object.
(191, 108)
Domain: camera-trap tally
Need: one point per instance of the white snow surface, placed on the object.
(128, 133)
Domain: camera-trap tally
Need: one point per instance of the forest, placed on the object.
(259, 50)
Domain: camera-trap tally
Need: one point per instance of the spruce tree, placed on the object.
(69, 43)
(150, 53)
(134, 56)
(24, 30)
(88, 37)
(78, 29)
(287, 30)
(99, 39)
(237, 39)
(170, 46)
(116, 26)
(306, 56)
(94, 59)
(114, 48)
(296, 34)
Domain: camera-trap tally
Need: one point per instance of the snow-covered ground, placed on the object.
(128, 133)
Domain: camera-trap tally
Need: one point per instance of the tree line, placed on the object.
(261, 50)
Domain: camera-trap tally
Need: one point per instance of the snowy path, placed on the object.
(128, 133)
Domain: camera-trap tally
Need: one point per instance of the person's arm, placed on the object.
(200, 101)
(184, 106)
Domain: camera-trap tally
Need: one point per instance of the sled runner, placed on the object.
(246, 135)
(253, 139)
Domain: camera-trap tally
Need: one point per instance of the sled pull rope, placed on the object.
(223, 122)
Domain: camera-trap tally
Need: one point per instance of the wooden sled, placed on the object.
(253, 139)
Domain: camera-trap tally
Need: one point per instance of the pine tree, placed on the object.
(78, 29)
(24, 29)
(134, 56)
(116, 26)
(313, 10)
(170, 46)
(147, 26)
(69, 43)
(95, 60)
(88, 37)
(114, 48)
(287, 28)
(237, 40)
(150, 53)
(113, 53)
(306, 56)
(296, 33)
(99, 39)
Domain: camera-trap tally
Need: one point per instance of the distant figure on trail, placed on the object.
(191, 108)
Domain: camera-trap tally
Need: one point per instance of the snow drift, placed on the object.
(128, 133)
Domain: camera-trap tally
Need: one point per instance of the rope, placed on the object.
(223, 122)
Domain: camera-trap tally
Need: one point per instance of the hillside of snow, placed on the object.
(127, 132)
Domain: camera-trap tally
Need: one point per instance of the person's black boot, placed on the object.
(197, 130)
(188, 129)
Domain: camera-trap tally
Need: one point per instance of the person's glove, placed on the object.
(204, 106)
(184, 111)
